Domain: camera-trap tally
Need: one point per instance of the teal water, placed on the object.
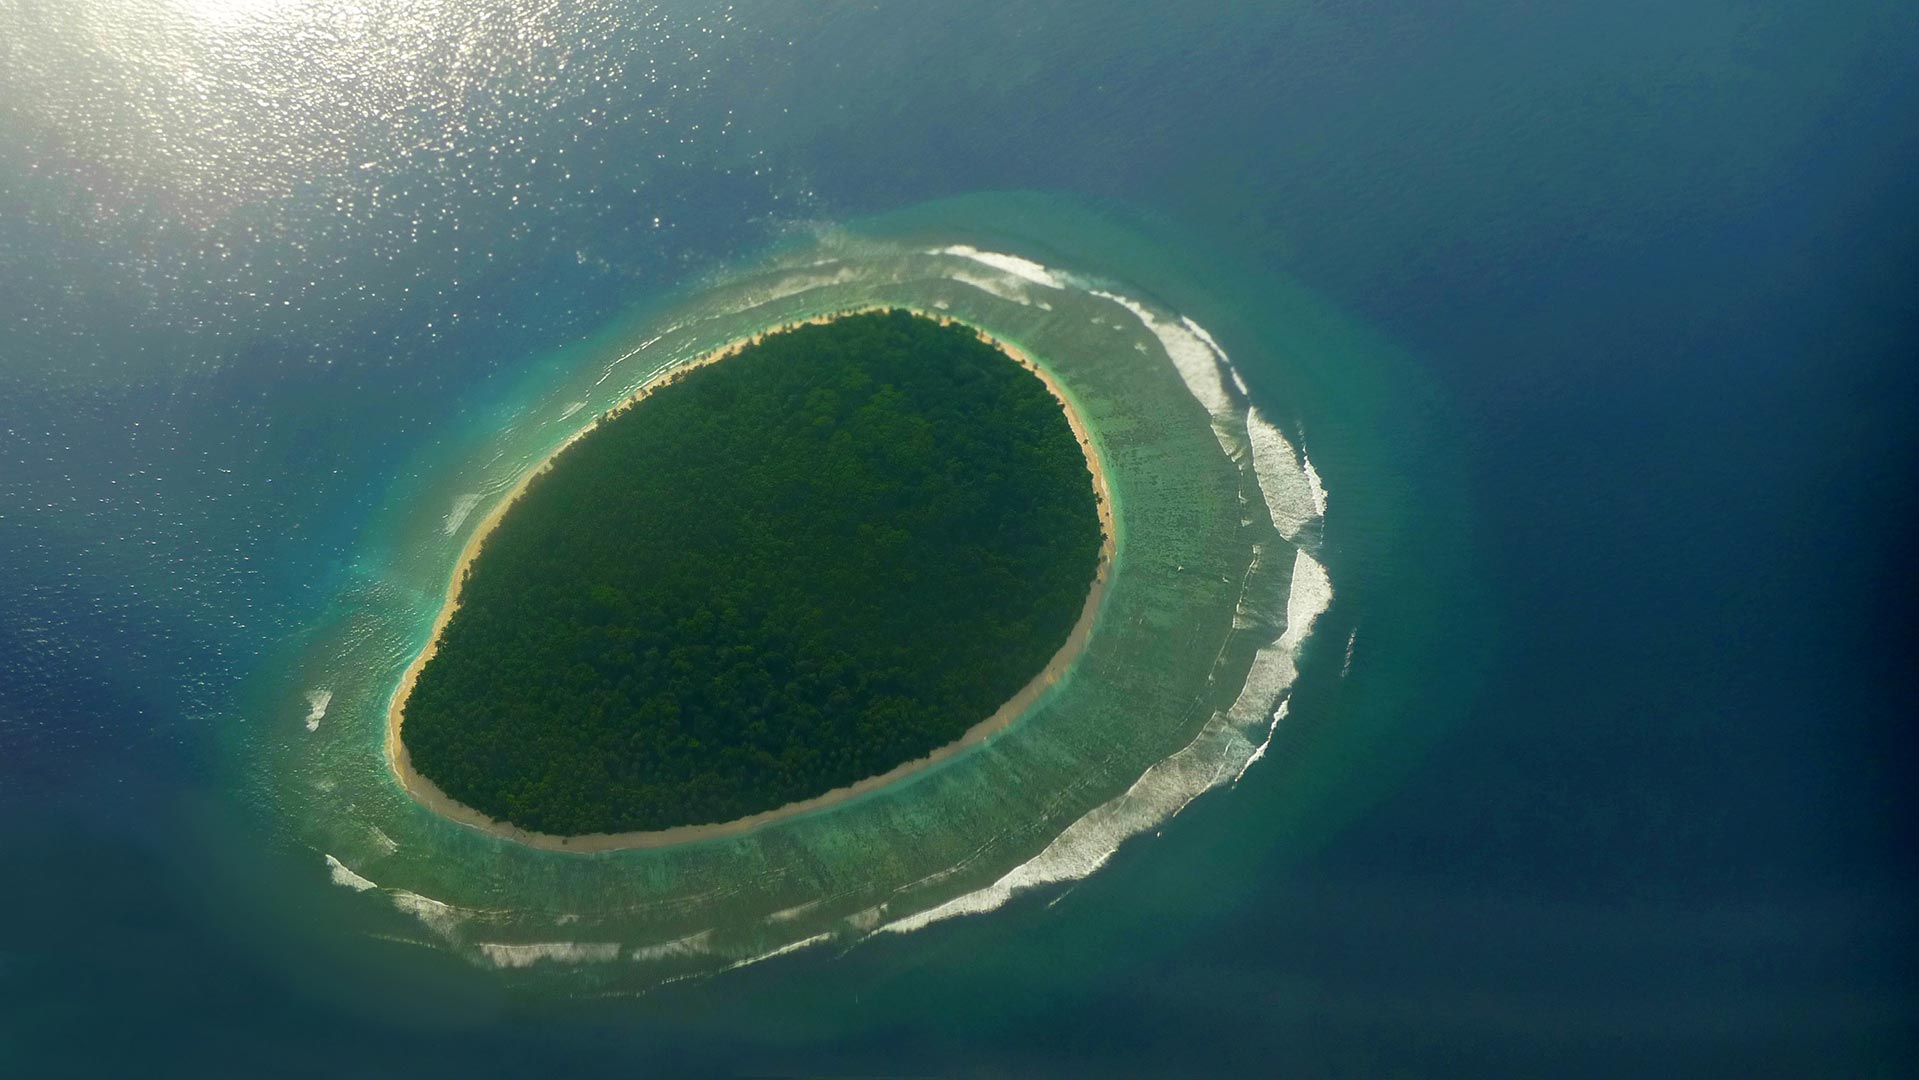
(1590, 321)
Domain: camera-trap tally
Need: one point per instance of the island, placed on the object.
(855, 546)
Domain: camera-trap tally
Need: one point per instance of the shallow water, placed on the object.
(1588, 319)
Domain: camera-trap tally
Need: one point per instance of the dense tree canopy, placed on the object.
(781, 574)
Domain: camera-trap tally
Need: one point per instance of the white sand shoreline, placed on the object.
(429, 795)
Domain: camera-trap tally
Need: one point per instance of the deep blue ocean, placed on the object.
(1601, 318)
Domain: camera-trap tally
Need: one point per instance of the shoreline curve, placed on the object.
(428, 794)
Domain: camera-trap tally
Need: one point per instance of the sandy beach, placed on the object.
(429, 795)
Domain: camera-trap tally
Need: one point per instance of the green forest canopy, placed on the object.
(778, 575)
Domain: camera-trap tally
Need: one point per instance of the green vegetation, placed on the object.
(783, 573)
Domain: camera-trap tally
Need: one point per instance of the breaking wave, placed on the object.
(1222, 751)
(567, 952)
(317, 702)
(1025, 269)
(462, 508)
(343, 877)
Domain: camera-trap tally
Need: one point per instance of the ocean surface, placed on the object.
(1538, 379)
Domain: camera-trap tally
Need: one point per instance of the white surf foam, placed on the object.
(1006, 289)
(690, 945)
(1294, 496)
(462, 507)
(789, 914)
(317, 702)
(1198, 364)
(347, 878)
(1011, 264)
(1259, 751)
(1275, 666)
(1267, 681)
(1288, 488)
(1224, 360)
(1311, 594)
(788, 286)
(1204, 336)
(1312, 479)
(571, 408)
(566, 952)
(441, 918)
(803, 943)
(1162, 791)
(1219, 753)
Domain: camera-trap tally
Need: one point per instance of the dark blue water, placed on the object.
(1617, 781)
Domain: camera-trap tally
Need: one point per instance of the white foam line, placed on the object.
(1309, 597)
(1220, 750)
(1011, 264)
(1224, 360)
(439, 917)
(1267, 681)
(1161, 791)
(1198, 364)
(566, 952)
(317, 702)
(1001, 288)
(1286, 485)
(1260, 750)
(690, 945)
(1201, 333)
(571, 408)
(1275, 666)
(789, 285)
(789, 914)
(781, 951)
(347, 878)
(1312, 479)
(1294, 496)
(462, 507)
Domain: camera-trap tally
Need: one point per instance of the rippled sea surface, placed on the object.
(1516, 400)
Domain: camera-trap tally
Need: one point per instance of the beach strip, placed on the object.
(429, 795)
